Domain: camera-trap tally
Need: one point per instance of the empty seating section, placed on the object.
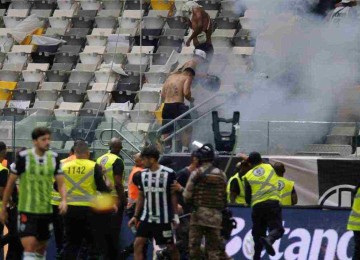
(80, 66)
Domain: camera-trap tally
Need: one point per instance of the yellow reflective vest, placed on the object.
(240, 199)
(354, 219)
(107, 161)
(55, 196)
(264, 184)
(285, 188)
(80, 182)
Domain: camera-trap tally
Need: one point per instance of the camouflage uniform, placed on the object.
(208, 199)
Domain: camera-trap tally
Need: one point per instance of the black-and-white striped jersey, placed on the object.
(157, 194)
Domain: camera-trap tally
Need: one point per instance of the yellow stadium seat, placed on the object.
(27, 40)
(162, 4)
(5, 86)
(158, 113)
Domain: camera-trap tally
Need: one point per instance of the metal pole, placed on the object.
(268, 139)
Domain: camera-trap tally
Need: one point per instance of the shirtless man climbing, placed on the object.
(175, 90)
(201, 25)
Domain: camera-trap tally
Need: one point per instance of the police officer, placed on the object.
(261, 192)
(235, 189)
(114, 167)
(82, 179)
(354, 222)
(206, 191)
(288, 195)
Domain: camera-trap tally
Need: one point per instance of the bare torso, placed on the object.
(173, 88)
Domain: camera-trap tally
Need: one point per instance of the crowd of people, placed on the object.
(184, 213)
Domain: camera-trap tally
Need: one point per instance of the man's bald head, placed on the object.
(137, 159)
(81, 150)
(115, 145)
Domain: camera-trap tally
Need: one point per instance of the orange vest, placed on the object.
(133, 191)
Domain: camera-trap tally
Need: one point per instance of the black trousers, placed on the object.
(356, 255)
(266, 216)
(79, 231)
(58, 222)
(15, 250)
(107, 231)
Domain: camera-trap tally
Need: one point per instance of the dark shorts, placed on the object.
(162, 233)
(172, 111)
(207, 48)
(35, 225)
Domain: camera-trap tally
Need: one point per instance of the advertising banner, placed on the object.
(310, 234)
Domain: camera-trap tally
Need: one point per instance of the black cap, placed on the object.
(254, 158)
(205, 153)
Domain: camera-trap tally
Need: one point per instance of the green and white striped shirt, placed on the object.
(36, 180)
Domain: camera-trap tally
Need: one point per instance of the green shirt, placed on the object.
(36, 180)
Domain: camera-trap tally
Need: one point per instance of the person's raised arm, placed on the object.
(187, 88)
(197, 26)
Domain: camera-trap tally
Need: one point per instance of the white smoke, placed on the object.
(311, 67)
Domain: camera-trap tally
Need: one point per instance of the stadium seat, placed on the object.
(100, 92)
(109, 13)
(90, 5)
(77, 85)
(57, 22)
(130, 18)
(19, 105)
(143, 112)
(76, 36)
(23, 95)
(112, 5)
(14, 17)
(55, 32)
(49, 91)
(67, 111)
(91, 109)
(150, 93)
(210, 4)
(59, 72)
(106, 22)
(244, 38)
(106, 76)
(155, 77)
(42, 108)
(92, 54)
(68, 54)
(86, 67)
(123, 96)
(223, 37)
(96, 40)
(102, 31)
(226, 21)
(81, 76)
(118, 111)
(72, 95)
(66, 4)
(35, 72)
(19, 5)
(172, 37)
(42, 13)
(176, 22)
(84, 19)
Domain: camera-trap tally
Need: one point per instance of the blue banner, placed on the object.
(309, 234)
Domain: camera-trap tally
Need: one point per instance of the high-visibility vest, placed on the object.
(2, 167)
(240, 199)
(354, 219)
(264, 184)
(107, 161)
(80, 182)
(286, 188)
(36, 183)
(133, 190)
(55, 196)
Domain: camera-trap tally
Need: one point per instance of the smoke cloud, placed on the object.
(305, 69)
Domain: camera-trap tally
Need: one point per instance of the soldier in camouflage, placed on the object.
(206, 191)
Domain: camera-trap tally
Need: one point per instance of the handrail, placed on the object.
(121, 135)
(191, 123)
(185, 114)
